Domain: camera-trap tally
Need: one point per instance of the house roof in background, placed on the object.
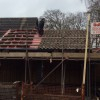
(17, 23)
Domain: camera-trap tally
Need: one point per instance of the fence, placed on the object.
(8, 91)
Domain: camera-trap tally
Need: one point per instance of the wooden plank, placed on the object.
(48, 55)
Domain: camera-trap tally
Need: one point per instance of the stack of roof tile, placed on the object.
(17, 39)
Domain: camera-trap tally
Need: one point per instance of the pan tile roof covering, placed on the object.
(66, 39)
(20, 33)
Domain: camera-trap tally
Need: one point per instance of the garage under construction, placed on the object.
(47, 67)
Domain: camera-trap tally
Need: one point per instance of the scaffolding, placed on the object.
(46, 91)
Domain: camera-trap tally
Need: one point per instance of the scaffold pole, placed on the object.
(85, 61)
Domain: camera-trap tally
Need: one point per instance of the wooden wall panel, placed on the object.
(13, 70)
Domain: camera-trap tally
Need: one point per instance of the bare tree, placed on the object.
(55, 19)
(77, 21)
(93, 7)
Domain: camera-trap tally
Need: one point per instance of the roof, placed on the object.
(20, 33)
(24, 23)
(66, 39)
(17, 23)
(51, 40)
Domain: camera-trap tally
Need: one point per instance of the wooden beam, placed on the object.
(93, 56)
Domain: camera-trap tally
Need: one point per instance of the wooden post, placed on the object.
(22, 91)
(85, 61)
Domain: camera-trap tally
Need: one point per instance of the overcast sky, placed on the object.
(35, 8)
